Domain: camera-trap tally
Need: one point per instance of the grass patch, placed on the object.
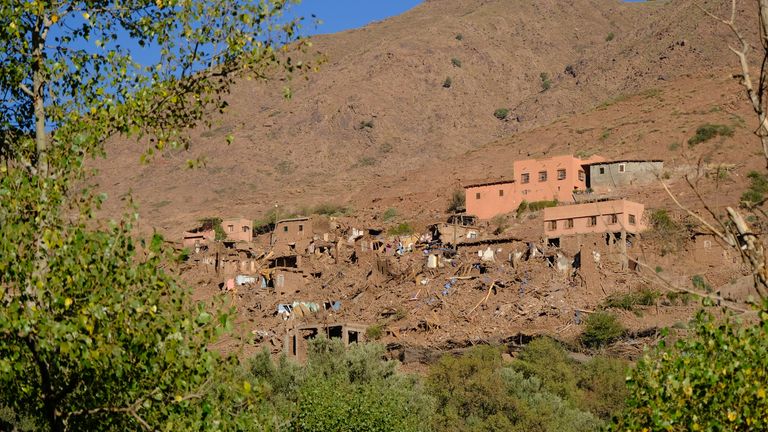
(456, 62)
(367, 161)
(708, 131)
(374, 332)
(402, 229)
(757, 189)
(389, 214)
(540, 205)
(546, 83)
(609, 37)
(628, 301)
(448, 82)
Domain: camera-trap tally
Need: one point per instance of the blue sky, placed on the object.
(338, 15)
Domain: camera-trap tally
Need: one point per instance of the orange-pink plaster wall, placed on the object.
(580, 214)
(535, 189)
(488, 201)
(237, 229)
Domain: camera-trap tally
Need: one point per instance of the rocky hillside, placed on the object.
(381, 110)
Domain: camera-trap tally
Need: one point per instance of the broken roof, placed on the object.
(297, 219)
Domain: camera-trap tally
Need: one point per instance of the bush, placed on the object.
(389, 214)
(501, 113)
(329, 209)
(459, 37)
(458, 201)
(367, 161)
(757, 189)
(545, 82)
(447, 83)
(541, 205)
(366, 124)
(601, 329)
(700, 283)
(521, 208)
(603, 383)
(456, 62)
(628, 301)
(609, 37)
(215, 224)
(715, 380)
(402, 229)
(545, 359)
(708, 131)
(374, 332)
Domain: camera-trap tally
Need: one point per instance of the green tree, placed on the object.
(94, 334)
(715, 380)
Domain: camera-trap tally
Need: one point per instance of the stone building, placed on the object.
(608, 176)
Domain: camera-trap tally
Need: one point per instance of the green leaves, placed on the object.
(715, 380)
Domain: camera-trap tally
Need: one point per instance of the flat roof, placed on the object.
(488, 183)
(622, 161)
(298, 219)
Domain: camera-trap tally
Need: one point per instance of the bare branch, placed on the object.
(709, 226)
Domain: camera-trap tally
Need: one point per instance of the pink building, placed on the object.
(237, 229)
(552, 178)
(594, 217)
(535, 180)
(486, 200)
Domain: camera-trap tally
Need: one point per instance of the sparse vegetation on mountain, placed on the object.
(758, 187)
(456, 62)
(627, 301)
(601, 328)
(403, 228)
(447, 83)
(609, 37)
(215, 224)
(501, 113)
(708, 131)
(546, 83)
(389, 214)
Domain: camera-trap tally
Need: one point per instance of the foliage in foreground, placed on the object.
(715, 380)
(543, 390)
(343, 390)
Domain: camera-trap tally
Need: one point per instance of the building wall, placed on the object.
(488, 201)
(190, 239)
(563, 175)
(606, 177)
(294, 230)
(628, 217)
(237, 229)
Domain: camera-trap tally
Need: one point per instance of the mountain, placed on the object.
(380, 115)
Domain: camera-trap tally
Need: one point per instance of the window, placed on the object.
(525, 178)
(231, 228)
(477, 195)
(525, 191)
(501, 192)
(285, 228)
(632, 219)
(552, 225)
(561, 174)
(569, 223)
(622, 168)
(613, 219)
(602, 170)
(592, 221)
(581, 175)
(245, 229)
(542, 176)
(301, 228)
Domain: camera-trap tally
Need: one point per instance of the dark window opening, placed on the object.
(542, 176)
(561, 174)
(501, 192)
(569, 223)
(335, 332)
(602, 170)
(477, 195)
(592, 221)
(285, 228)
(525, 178)
(352, 336)
(632, 220)
(553, 242)
(301, 228)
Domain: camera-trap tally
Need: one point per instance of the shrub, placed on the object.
(458, 201)
(708, 131)
(500, 223)
(501, 113)
(459, 37)
(521, 208)
(609, 37)
(285, 167)
(601, 329)
(366, 124)
(545, 359)
(757, 189)
(700, 283)
(389, 214)
(674, 146)
(715, 380)
(215, 224)
(402, 229)
(374, 332)
(447, 83)
(456, 62)
(540, 205)
(367, 161)
(603, 382)
(545, 82)
(329, 209)
(628, 301)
